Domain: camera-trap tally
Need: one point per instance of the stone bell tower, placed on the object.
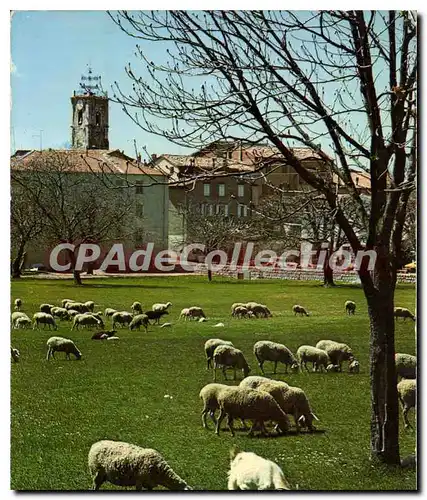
(89, 129)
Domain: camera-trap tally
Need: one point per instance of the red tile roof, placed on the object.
(81, 160)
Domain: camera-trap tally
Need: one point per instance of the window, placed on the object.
(98, 119)
(80, 117)
(139, 188)
(230, 155)
(207, 189)
(221, 189)
(225, 210)
(241, 190)
(239, 210)
(211, 209)
(357, 181)
(139, 210)
(245, 210)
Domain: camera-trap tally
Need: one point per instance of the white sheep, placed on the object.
(350, 307)
(65, 301)
(251, 404)
(15, 315)
(161, 307)
(211, 345)
(72, 312)
(138, 321)
(261, 310)
(235, 305)
(337, 351)
(218, 325)
(15, 354)
(402, 312)
(125, 464)
(61, 313)
(318, 357)
(209, 396)
(109, 312)
(46, 308)
(18, 304)
(202, 320)
(297, 309)
(249, 471)
(407, 390)
(251, 305)
(242, 312)
(265, 350)
(196, 312)
(77, 306)
(166, 325)
(90, 304)
(185, 313)
(406, 365)
(43, 319)
(23, 323)
(136, 308)
(292, 400)
(61, 344)
(226, 356)
(86, 320)
(123, 318)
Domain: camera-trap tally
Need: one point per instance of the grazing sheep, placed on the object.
(292, 400)
(23, 323)
(407, 390)
(265, 350)
(354, 366)
(16, 315)
(44, 319)
(202, 320)
(72, 313)
(18, 304)
(109, 312)
(90, 304)
(61, 313)
(299, 310)
(211, 345)
(65, 301)
(406, 365)
(113, 338)
(226, 356)
(60, 344)
(46, 308)
(337, 351)
(136, 308)
(251, 305)
(125, 464)
(402, 312)
(262, 311)
(166, 325)
(350, 307)
(318, 357)
(196, 312)
(123, 318)
(103, 334)
(77, 306)
(15, 354)
(249, 471)
(138, 321)
(235, 305)
(209, 396)
(185, 313)
(86, 320)
(241, 312)
(251, 404)
(161, 307)
(155, 315)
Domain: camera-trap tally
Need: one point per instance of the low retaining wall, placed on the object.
(294, 274)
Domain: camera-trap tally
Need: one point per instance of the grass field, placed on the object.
(59, 408)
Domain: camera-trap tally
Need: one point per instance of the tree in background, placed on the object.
(343, 83)
(74, 207)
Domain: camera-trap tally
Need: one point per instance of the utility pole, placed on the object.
(40, 136)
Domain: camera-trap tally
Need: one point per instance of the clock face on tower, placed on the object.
(79, 105)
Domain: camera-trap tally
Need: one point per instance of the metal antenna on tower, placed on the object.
(91, 84)
(40, 135)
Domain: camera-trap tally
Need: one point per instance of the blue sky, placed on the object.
(50, 50)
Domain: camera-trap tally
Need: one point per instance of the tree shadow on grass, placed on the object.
(129, 285)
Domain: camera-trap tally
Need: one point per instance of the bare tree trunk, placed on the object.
(209, 274)
(328, 273)
(76, 274)
(18, 260)
(385, 408)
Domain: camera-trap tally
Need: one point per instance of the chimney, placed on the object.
(154, 157)
(213, 162)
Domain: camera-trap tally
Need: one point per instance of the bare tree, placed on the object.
(340, 82)
(26, 226)
(215, 232)
(75, 207)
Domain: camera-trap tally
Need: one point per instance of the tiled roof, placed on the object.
(92, 160)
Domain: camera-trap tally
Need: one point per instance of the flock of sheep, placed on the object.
(261, 400)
